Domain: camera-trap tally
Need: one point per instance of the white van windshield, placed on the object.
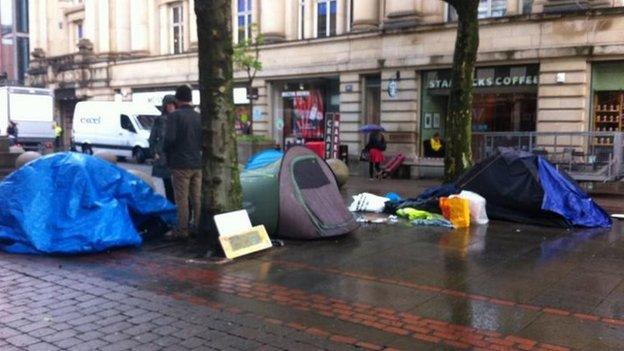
(146, 121)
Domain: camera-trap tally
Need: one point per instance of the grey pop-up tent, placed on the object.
(296, 196)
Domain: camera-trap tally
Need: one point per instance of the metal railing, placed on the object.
(586, 156)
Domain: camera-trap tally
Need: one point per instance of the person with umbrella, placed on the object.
(375, 148)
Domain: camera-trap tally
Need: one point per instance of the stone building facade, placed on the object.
(543, 65)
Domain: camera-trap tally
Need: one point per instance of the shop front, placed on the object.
(302, 109)
(505, 100)
(608, 100)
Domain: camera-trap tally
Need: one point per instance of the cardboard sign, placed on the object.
(246, 242)
(238, 237)
(332, 135)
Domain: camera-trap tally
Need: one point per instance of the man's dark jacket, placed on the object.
(157, 146)
(183, 139)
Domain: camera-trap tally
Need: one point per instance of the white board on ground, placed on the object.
(238, 237)
(232, 223)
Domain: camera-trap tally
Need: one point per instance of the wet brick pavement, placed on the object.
(502, 287)
(44, 307)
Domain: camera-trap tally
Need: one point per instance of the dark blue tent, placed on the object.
(71, 203)
(525, 188)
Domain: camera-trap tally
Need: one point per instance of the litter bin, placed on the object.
(343, 154)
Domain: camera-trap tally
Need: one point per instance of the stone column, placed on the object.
(153, 23)
(37, 24)
(309, 18)
(164, 29)
(121, 28)
(139, 26)
(103, 28)
(90, 24)
(365, 14)
(341, 16)
(192, 20)
(272, 20)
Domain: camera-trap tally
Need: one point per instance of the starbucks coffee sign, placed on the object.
(488, 77)
(488, 82)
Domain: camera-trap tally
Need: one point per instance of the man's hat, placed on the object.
(168, 99)
(184, 93)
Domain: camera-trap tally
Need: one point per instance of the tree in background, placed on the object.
(247, 58)
(458, 122)
(221, 189)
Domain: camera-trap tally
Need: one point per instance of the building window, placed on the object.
(244, 20)
(79, 30)
(177, 28)
(21, 16)
(302, 12)
(14, 43)
(487, 9)
(527, 7)
(326, 18)
(6, 17)
(23, 54)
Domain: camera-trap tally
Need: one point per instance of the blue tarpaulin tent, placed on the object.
(69, 203)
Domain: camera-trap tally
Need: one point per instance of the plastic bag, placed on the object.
(366, 202)
(478, 213)
(444, 207)
(458, 211)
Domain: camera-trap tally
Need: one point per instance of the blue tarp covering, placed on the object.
(263, 159)
(566, 199)
(71, 203)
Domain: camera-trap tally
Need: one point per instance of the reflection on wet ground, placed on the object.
(502, 286)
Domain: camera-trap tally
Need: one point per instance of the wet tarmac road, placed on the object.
(504, 286)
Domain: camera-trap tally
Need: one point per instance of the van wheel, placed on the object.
(139, 155)
(86, 149)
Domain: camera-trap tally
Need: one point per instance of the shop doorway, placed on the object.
(372, 100)
(303, 106)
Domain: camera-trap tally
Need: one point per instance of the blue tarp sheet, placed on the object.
(566, 199)
(263, 158)
(69, 203)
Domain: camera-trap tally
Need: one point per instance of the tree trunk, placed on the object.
(221, 189)
(458, 121)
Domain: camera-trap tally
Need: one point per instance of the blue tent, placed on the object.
(565, 198)
(263, 159)
(71, 203)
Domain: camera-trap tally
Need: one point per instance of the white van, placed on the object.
(32, 109)
(122, 128)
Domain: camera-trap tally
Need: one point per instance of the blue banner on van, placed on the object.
(70, 203)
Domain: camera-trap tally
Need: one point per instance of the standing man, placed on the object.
(157, 146)
(183, 143)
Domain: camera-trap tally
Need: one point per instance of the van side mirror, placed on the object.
(127, 124)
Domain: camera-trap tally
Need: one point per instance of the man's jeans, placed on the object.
(187, 186)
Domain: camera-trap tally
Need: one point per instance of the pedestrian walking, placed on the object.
(157, 146)
(183, 141)
(375, 147)
(12, 132)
